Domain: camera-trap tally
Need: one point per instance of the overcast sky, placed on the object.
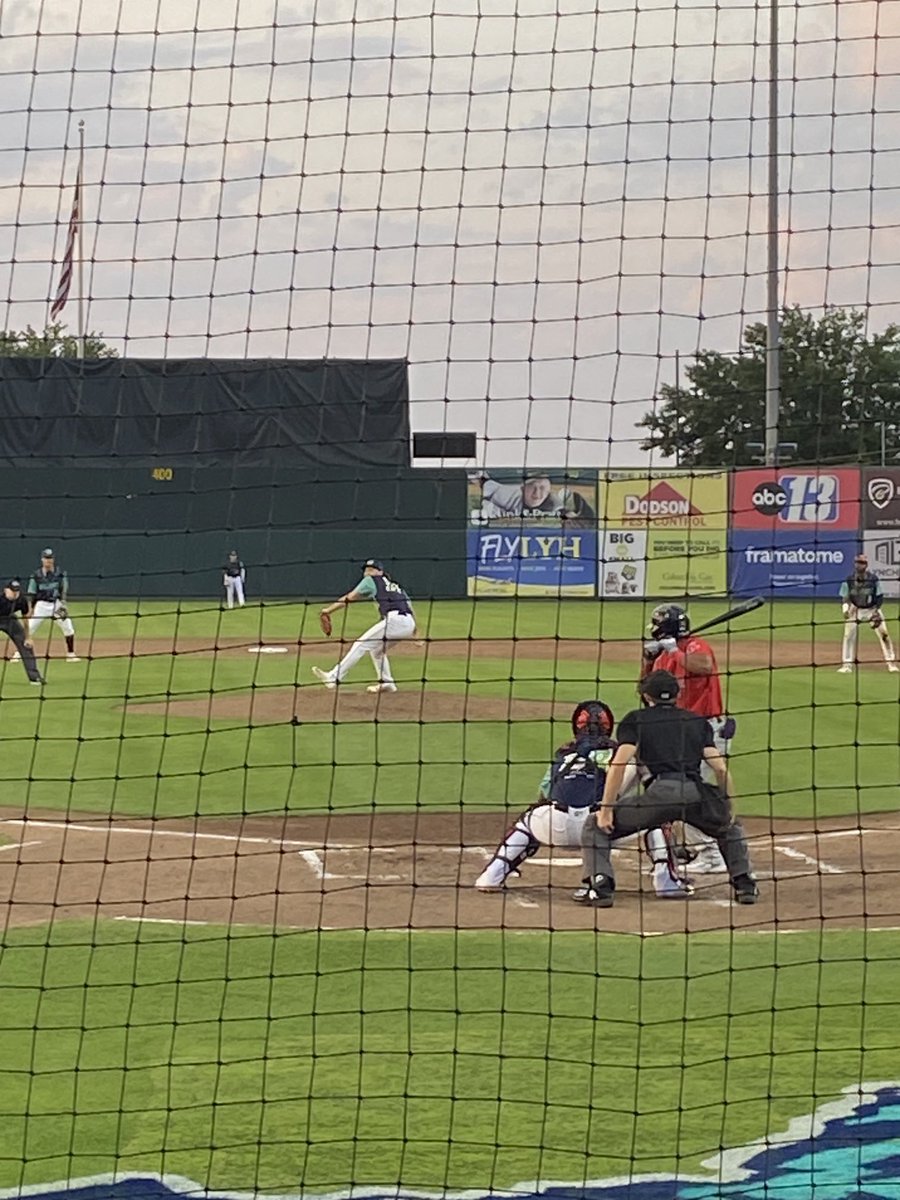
(538, 202)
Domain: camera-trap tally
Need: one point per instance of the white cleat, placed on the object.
(17, 657)
(486, 883)
(675, 889)
(893, 667)
(324, 678)
(382, 687)
(846, 669)
(72, 658)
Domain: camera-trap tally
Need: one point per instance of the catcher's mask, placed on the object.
(669, 620)
(593, 717)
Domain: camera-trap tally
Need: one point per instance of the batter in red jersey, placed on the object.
(692, 661)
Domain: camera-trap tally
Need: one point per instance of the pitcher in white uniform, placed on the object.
(397, 623)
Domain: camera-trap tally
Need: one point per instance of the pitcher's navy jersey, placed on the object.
(388, 595)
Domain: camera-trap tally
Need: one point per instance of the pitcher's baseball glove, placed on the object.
(876, 620)
(325, 622)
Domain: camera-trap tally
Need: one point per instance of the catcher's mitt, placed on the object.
(325, 622)
(61, 611)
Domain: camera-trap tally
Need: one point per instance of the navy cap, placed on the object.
(661, 686)
(48, 553)
(374, 564)
(14, 585)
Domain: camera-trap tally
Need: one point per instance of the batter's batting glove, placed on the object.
(325, 622)
(652, 649)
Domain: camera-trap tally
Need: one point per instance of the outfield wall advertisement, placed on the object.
(532, 561)
(532, 533)
(794, 530)
(664, 533)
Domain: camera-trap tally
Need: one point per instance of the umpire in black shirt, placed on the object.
(12, 602)
(670, 743)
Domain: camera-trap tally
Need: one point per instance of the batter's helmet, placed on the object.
(669, 620)
(592, 716)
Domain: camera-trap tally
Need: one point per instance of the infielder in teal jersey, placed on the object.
(397, 623)
(48, 592)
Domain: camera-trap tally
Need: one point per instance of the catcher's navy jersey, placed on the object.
(48, 585)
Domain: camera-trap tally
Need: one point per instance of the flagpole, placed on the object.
(80, 236)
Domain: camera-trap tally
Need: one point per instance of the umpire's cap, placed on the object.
(48, 553)
(14, 585)
(374, 564)
(661, 686)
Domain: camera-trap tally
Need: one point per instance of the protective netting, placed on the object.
(280, 913)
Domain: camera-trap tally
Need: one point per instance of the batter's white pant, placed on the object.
(855, 618)
(693, 837)
(395, 627)
(45, 610)
(234, 590)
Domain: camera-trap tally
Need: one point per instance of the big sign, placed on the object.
(796, 498)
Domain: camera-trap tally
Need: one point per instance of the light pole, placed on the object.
(773, 322)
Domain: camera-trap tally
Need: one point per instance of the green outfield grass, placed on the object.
(77, 745)
(243, 1059)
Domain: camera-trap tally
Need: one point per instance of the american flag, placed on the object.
(68, 262)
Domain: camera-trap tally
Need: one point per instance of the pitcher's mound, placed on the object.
(314, 704)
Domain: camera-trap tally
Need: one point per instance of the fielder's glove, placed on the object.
(875, 620)
(61, 611)
(325, 622)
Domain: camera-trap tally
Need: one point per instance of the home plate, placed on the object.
(267, 649)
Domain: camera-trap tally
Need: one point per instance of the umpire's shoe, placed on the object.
(745, 889)
(597, 894)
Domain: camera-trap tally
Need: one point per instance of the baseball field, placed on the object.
(240, 927)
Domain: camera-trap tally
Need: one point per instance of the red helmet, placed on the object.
(593, 716)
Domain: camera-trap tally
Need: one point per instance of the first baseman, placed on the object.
(861, 599)
(48, 591)
(397, 623)
(234, 579)
(12, 602)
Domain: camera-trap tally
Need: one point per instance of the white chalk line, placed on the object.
(19, 845)
(821, 867)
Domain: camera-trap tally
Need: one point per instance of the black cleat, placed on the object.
(745, 889)
(600, 892)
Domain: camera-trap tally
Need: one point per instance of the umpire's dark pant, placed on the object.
(669, 798)
(13, 629)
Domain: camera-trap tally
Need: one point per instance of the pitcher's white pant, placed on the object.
(395, 627)
(45, 610)
(854, 619)
(234, 590)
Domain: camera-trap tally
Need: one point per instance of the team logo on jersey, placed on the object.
(880, 492)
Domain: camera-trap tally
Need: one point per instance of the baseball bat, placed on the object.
(739, 610)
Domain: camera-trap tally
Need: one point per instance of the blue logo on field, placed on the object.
(847, 1150)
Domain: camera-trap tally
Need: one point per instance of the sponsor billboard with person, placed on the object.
(664, 533)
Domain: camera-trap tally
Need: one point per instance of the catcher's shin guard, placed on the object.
(661, 850)
(518, 846)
